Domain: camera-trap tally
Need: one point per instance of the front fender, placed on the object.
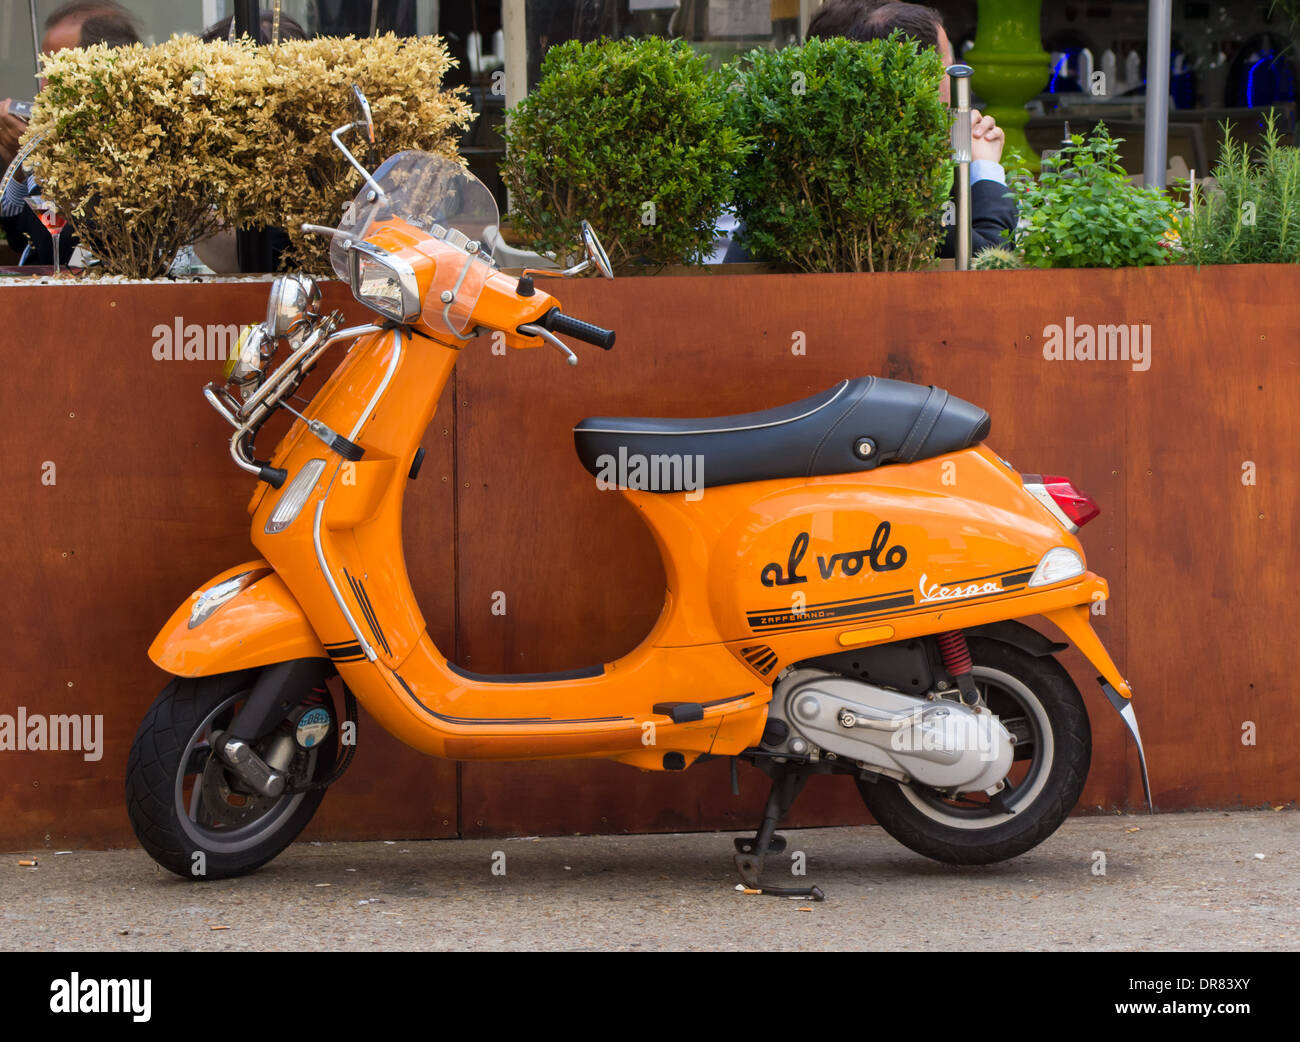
(260, 625)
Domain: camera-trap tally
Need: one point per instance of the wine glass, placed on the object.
(53, 221)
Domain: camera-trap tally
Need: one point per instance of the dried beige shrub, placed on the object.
(144, 144)
(151, 148)
(302, 177)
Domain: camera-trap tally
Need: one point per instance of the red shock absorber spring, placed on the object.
(956, 655)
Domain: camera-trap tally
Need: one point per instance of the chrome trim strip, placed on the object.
(329, 578)
(722, 430)
(320, 506)
(383, 386)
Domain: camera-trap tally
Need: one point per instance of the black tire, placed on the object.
(1048, 785)
(169, 750)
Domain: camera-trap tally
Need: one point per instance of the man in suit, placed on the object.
(993, 208)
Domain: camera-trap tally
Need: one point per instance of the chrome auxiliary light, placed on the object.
(294, 302)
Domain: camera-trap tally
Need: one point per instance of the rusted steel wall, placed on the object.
(121, 498)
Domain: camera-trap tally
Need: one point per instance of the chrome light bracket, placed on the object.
(247, 419)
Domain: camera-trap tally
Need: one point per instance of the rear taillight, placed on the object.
(1072, 508)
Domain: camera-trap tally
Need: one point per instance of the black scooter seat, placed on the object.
(856, 425)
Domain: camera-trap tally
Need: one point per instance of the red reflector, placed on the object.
(1078, 506)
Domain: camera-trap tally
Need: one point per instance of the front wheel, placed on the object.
(1037, 702)
(189, 813)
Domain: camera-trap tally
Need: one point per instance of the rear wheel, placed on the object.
(1039, 704)
(189, 812)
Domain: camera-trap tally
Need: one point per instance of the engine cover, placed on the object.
(941, 743)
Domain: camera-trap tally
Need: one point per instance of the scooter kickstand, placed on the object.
(749, 863)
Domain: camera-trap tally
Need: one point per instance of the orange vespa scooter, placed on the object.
(835, 603)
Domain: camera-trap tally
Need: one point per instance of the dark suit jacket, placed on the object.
(993, 208)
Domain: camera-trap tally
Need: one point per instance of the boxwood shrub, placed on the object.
(849, 168)
(631, 135)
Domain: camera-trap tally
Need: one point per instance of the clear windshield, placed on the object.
(447, 201)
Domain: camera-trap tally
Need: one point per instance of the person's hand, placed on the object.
(11, 129)
(987, 138)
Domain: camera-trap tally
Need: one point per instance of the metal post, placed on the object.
(36, 38)
(514, 28)
(806, 9)
(1155, 156)
(248, 19)
(250, 243)
(959, 76)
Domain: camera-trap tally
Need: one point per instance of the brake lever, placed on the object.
(531, 329)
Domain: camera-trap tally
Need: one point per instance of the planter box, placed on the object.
(146, 505)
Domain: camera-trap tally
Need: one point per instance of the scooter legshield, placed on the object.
(258, 625)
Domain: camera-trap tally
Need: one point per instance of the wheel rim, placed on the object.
(194, 818)
(1022, 711)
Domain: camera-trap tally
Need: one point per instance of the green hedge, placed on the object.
(850, 168)
(631, 135)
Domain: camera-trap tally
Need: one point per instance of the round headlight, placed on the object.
(295, 299)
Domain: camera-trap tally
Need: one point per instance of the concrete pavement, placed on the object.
(1171, 882)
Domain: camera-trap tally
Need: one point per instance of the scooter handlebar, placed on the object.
(557, 322)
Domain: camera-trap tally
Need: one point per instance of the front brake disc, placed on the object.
(227, 805)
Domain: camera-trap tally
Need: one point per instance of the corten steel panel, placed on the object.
(1213, 559)
(581, 574)
(146, 505)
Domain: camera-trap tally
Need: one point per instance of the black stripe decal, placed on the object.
(363, 602)
(374, 618)
(832, 604)
(342, 652)
(786, 619)
(827, 612)
(369, 610)
(927, 606)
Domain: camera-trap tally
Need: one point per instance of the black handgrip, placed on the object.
(557, 322)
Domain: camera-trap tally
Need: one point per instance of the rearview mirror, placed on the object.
(595, 251)
(364, 121)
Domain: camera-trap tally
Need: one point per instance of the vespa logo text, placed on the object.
(935, 592)
(36, 732)
(1085, 343)
(193, 342)
(881, 557)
